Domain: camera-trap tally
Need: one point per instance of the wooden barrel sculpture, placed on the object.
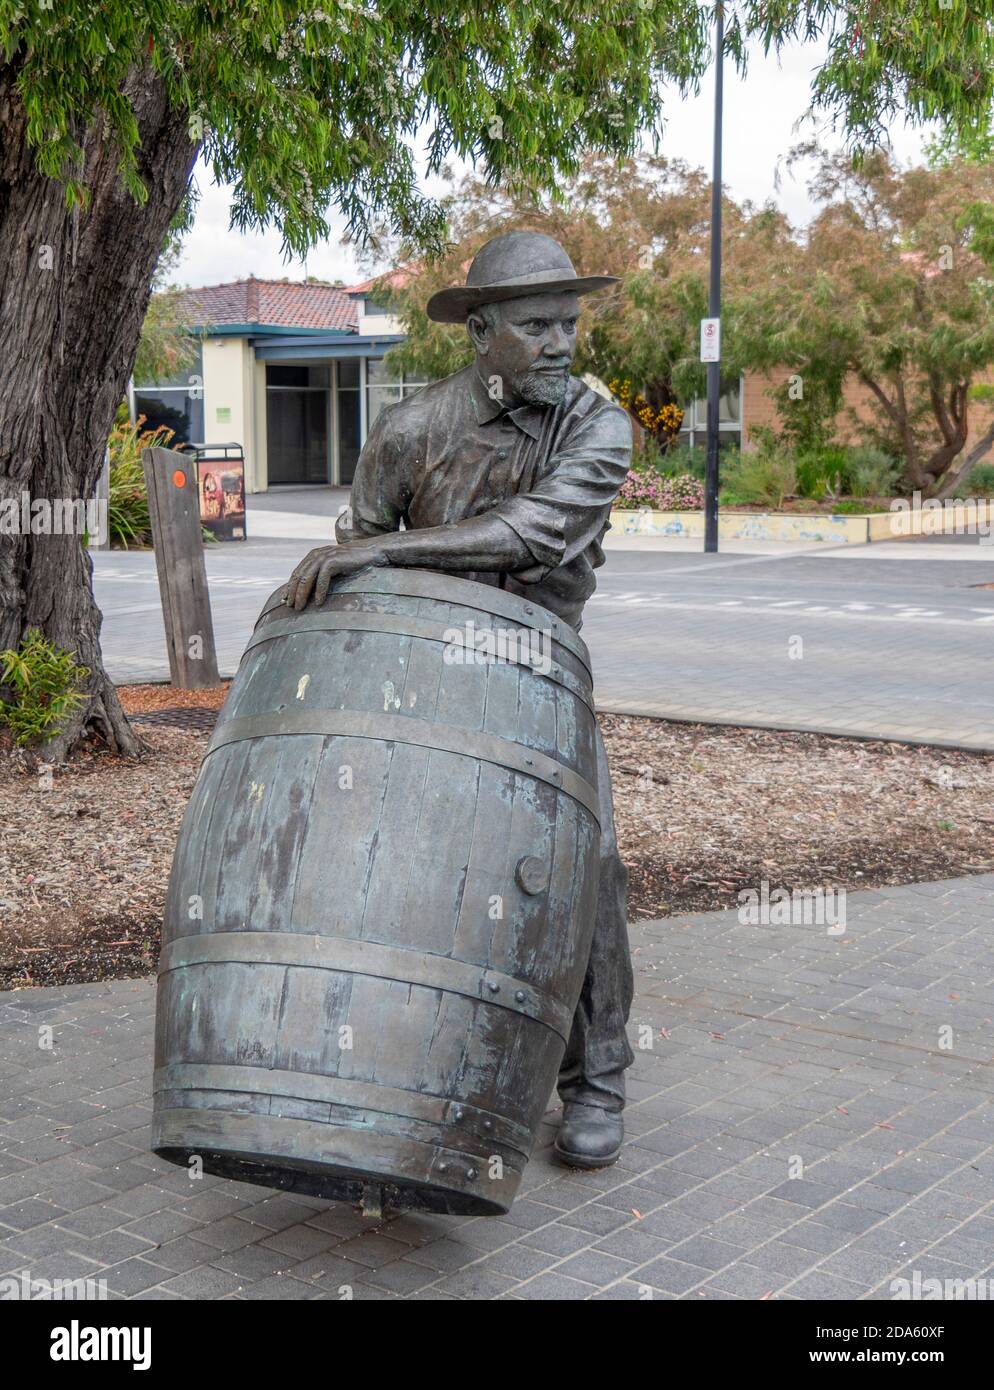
(382, 898)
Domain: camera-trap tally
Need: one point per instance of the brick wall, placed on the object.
(758, 408)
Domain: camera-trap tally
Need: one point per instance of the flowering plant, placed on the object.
(661, 425)
(641, 488)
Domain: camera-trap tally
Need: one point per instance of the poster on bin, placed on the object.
(222, 497)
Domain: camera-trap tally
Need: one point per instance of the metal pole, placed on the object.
(714, 301)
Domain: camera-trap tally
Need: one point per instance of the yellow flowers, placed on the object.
(663, 424)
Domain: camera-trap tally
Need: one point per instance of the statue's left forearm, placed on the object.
(478, 543)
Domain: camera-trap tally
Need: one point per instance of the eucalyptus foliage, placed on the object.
(303, 107)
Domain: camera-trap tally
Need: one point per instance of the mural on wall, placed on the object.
(770, 526)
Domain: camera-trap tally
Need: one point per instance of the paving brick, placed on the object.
(672, 1276)
(229, 1233)
(205, 1282)
(478, 1284)
(132, 1276)
(401, 1277)
(818, 1285)
(560, 1240)
(553, 1287)
(592, 1267)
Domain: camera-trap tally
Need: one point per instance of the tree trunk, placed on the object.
(952, 420)
(74, 287)
(897, 413)
(955, 476)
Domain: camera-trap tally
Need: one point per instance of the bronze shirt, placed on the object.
(549, 472)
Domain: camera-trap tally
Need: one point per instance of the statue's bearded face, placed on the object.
(526, 346)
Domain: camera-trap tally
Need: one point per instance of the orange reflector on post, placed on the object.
(179, 478)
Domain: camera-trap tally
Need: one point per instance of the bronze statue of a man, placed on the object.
(504, 473)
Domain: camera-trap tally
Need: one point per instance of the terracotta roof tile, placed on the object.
(273, 303)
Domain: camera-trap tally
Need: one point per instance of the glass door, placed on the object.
(349, 417)
(298, 440)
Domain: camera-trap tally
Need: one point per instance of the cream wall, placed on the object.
(235, 383)
(376, 324)
(260, 455)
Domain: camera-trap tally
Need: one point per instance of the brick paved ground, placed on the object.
(781, 1043)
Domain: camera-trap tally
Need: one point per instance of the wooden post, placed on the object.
(174, 509)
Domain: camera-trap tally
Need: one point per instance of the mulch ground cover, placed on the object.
(702, 812)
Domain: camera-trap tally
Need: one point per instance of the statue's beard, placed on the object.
(543, 387)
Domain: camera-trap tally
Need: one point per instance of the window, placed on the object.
(177, 402)
(695, 418)
(384, 386)
(304, 377)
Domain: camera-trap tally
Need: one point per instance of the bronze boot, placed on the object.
(589, 1136)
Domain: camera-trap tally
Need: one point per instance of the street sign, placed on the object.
(710, 340)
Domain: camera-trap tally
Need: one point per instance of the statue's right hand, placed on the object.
(318, 568)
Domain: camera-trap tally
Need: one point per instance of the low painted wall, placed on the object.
(744, 526)
(963, 518)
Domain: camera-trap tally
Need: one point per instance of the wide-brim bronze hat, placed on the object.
(509, 267)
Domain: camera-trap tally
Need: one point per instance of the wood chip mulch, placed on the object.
(702, 812)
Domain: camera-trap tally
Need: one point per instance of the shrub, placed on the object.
(872, 472)
(127, 510)
(812, 477)
(661, 426)
(647, 488)
(765, 476)
(681, 459)
(45, 682)
(821, 472)
(980, 483)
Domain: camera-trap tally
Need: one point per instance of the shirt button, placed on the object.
(502, 453)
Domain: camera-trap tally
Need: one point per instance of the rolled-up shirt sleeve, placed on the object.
(570, 506)
(378, 499)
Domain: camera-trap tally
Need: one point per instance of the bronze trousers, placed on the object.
(598, 1051)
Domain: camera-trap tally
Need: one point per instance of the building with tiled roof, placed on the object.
(292, 370)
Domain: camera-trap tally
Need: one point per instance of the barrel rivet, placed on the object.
(443, 1167)
(493, 987)
(520, 996)
(529, 611)
(488, 1125)
(459, 1114)
(470, 1174)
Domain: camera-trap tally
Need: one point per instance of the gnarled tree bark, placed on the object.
(74, 287)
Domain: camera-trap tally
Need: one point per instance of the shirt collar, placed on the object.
(528, 418)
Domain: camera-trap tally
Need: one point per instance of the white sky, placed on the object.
(760, 116)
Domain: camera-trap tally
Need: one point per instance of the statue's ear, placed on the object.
(478, 330)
